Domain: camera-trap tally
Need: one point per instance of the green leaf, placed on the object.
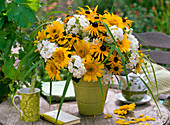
(2, 5)
(21, 54)
(30, 69)
(20, 13)
(69, 77)
(2, 39)
(1, 21)
(9, 70)
(100, 84)
(34, 4)
(111, 11)
(111, 51)
(50, 91)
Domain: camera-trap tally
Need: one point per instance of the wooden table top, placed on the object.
(10, 116)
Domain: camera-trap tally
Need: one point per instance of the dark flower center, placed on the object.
(73, 35)
(62, 39)
(115, 59)
(102, 48)
(105, 34)
(116, 68)
(67, 15)
(96, 17)
(87, 12)
(124, 20)
(54, 31)
(46, 33)
(95, 24)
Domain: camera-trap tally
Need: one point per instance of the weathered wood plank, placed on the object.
(160, 57)
(155, 39)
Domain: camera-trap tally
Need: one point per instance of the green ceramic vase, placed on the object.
(89, 97)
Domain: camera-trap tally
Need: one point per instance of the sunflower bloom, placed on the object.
(112, 19)
(124, 45)
(60, 57)
(94, 70)
(99, 50)
(55, 31)
(53, 70)
(82, 49)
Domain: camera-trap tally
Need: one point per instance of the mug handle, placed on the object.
(20, 97)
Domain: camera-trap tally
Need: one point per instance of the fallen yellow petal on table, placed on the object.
(108, 116)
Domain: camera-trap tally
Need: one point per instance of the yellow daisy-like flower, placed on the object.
(53, 70)
(111, 19)
(94, 69)
(60, 57)
(124, 45)
(67, 18)
(116, 69)
(41, 35)
(88, 13)
(94, 29)
(139, 64)
(82, 49)
(114, 59)
(55, 31)
(73, 38)
(103, 36)
(99, 50)
(127, 22)
(63, 40)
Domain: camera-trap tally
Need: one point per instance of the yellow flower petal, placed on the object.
(141, 115)
(108, 116)
(121, 116)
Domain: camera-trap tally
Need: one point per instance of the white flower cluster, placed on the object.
(133, 59)
(76, 66)
(77, 24)
(107, 76)
(46, 49)
(116, 32)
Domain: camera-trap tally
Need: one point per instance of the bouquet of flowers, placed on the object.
(90, 45)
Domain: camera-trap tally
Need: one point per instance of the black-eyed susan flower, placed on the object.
(124, 45)
(127, 22)
(89, 13)
(93, 68)
(53, 70)
(82, 49)
(94, 29)
(114, 59)
(116, 69)
(103, 36)
(55, 31)
(99, 50)
(60, 57)
(72, 38)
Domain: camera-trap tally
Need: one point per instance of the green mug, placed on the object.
(29, 104)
